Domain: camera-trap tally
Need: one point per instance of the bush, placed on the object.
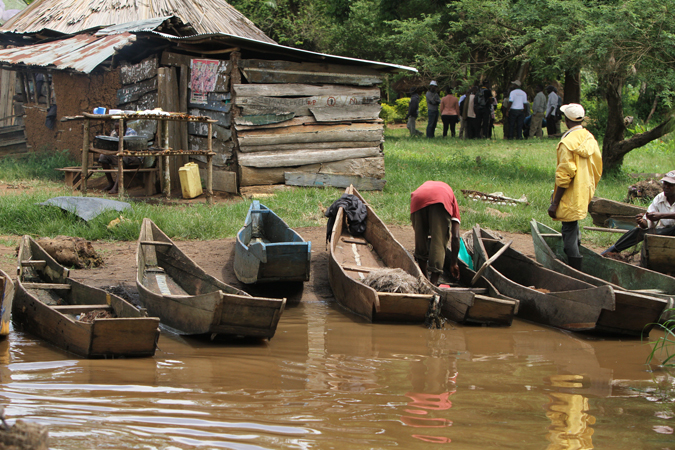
(401, 106)
(499, 116)
(388, 113)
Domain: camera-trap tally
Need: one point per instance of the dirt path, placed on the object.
(216, 258)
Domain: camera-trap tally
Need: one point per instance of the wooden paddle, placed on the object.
(490, 261)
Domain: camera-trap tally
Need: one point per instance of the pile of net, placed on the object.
(90, 316)
(397, 281)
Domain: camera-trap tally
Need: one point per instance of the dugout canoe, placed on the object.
(192, 302)
(6, 299)
(658, 253)
(558, 300)
(642, 286)
(56, 308)
(479, 304)
(266, 249)
(351, 258)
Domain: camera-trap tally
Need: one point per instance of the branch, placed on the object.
(641, 139)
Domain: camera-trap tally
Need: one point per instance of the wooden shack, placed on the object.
(284, 115)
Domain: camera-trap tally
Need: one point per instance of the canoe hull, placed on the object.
(193, 302)
(6, 300)
(39, 312)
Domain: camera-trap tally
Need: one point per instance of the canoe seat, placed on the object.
(361, 268)
(155, 269)
(167, 244)
(55, 286)
(80, 309)
(38, 264)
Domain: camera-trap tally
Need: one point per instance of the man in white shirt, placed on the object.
(659, 219)
(551, 111)
(517, 104)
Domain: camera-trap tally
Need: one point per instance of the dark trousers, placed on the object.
(449, 121)
(484, 117)
(473, 128)
(516, 119)
(431, 126)
(434, 221)
(551, 122)
(637, 235)
(571, 235)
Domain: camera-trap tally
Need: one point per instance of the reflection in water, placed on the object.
(570, 423)
(328, 380)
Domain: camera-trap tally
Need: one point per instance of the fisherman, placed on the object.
(659, 218)
(434, 212)
(577, 173)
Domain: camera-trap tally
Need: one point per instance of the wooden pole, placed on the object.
(120, 160)
(209, 167)
(165, 146)
(607, 230)
(85, 157)
(490, 261)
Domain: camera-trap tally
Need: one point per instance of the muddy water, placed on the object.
(330, 381)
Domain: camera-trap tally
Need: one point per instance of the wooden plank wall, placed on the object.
(308, 118)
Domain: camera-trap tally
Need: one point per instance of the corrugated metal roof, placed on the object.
(82, 53)
(136, 26)
(74, 16)
(305, 55)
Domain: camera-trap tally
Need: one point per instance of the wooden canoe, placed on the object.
(266, 249)
(555, 299)
(6, 299)
(646, 292)
(189, 300)
(50, 304)
(351, 258)
(658, 253)
(480, 304)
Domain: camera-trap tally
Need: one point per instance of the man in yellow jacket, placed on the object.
(577, 173)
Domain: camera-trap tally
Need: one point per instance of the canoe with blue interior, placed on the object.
(267, 249)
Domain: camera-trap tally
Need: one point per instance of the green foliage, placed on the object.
(388, 113)
(665, 345)
(35, 165)
(401, 106)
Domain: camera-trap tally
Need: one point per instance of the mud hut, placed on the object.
(284, 115)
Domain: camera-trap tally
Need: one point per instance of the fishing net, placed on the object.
(396, 281)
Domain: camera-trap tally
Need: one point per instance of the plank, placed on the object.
(175, 59)
(222, 149)
(304, 146)
(300, 105)
(297, 90)
(146, 102)
(56, 286)
(371, 137)
(335, 180)
(223, 180)
(202, 129)
(80, 309)
(605, 206)
(134, 92)
(160, 243)
(38, 264)
(295, 121)
(215, 101)
(303, 157)
(265, 119)
(360, 113)
(223, 118)
(659, 253)
(134, 73)
(367, 167)
(607, 230)
(264, 71)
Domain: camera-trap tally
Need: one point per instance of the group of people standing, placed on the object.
(475, 112)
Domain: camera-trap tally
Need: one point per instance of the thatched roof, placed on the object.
(73, 16)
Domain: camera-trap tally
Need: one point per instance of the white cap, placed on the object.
(574, 111)
(669, 177)
(433, 83)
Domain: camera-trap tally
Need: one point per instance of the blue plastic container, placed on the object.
(99, 110)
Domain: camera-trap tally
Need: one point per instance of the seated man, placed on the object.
(108, 161)
(434, 212)
(659, 219)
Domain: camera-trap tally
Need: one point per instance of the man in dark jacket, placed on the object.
(413, 110)
(433, 100)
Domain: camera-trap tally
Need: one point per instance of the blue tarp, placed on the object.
(86, 207)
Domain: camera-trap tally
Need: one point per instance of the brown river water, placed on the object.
(329, 380)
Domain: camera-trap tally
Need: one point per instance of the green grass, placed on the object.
(512, 167)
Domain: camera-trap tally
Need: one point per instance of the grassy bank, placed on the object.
(513, 167)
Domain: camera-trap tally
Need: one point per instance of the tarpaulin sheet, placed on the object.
(86, 207)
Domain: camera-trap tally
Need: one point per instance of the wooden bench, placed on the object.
(73, 176)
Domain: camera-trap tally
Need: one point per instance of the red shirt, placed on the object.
(432, 192)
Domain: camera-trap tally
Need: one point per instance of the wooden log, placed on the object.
(297, 90)
(134, 73)
(358, 113)
(264, 71)
(300, 105)
(305, 146)
(366, 167)
(134, 92)
(335, 180)
(303, 157)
